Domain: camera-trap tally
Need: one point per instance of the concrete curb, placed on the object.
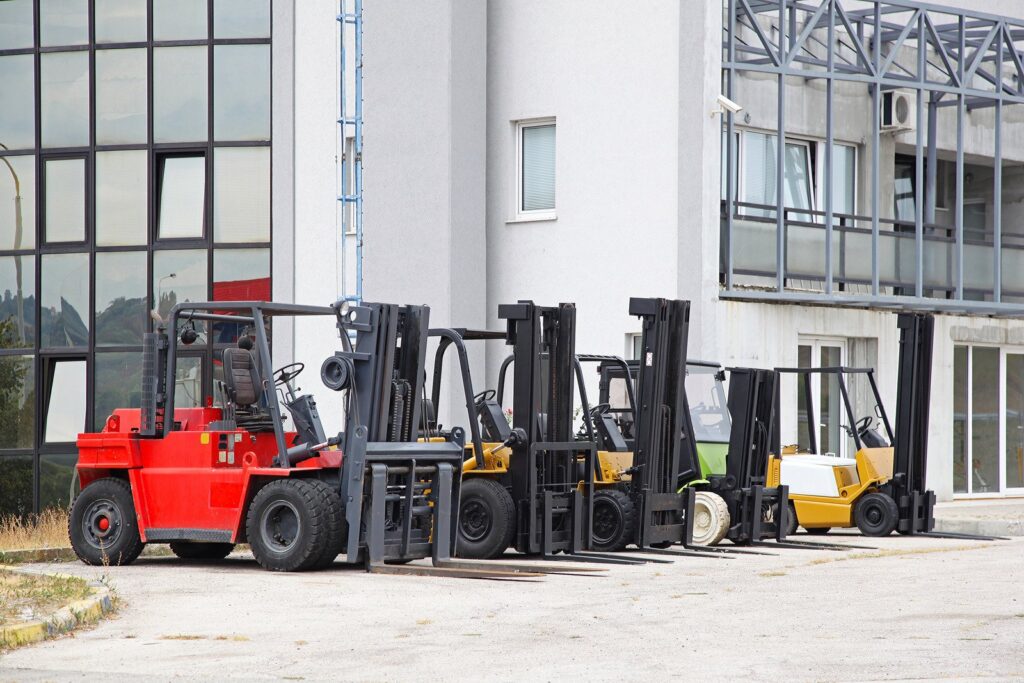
(981, 527)
(64, 620)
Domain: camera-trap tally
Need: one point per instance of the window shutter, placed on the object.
(538, 189)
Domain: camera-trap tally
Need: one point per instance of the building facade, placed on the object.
(156, 151)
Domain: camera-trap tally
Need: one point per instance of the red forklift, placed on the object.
(203, 479)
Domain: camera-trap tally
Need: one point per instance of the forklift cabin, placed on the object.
(206, 478)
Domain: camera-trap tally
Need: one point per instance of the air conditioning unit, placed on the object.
(899, 110)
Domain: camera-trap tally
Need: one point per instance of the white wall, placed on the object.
(612, 82)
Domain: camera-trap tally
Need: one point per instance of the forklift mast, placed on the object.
(550, 512)
(908, 486)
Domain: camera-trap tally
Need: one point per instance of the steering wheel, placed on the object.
(288, 373)
(485, 395)
(863, 424)
(600, 409)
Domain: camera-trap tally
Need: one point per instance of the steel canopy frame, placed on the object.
(956, 54)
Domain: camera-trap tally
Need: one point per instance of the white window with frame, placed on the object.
(988, 421)
(754, 157)
(633, 345)
(827, 408)
(535, 170)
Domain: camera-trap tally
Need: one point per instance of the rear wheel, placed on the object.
(614, 520)
(710, 518)
(288, 525)
(486, 519)
(102, 525)
(190, 550)
(876, 514)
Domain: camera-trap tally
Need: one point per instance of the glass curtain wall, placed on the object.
(134, 174)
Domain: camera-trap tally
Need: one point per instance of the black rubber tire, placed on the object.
(876, 514)
(487, 519)
(336, 535)
(191, 550)
(119, 543)
(818, 531)
(614, 521)
(791, 520)
(294, 514)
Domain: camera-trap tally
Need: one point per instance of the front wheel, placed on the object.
(288, 525)
(876, 514)
(487, 517)
(614, 520)
(711, 518)
(102, 525)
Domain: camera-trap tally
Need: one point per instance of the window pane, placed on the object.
(960, 419)
(63, 22)
(118, 382)
(64, 84)
(15, 485)
(803, 428)
(65, 300)
(538, 168)
(179, 276)
(241, 194)
(121, 191)
(179, 19)
(241, 92)
(17, 403)
(831, 410)
(16, 24)
(844, 179)
(65, 200)
(120, 21)
(17, 302)
(241, 18)
(239, 275)
(182, 197)
(179, 94)
(65, 410)
(57, 483)
(984, 420)
(121, 310)
(120, 96)
(17, 202)
(18, 84)
(188, 383)
(1014, 421)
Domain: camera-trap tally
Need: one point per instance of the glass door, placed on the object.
(826, 399)
(988, 421)
(1013, 452)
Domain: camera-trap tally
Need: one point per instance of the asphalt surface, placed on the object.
(913, 609)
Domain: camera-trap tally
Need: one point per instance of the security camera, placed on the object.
(728, 105)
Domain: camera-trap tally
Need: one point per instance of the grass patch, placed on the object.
(895, 552)
(25, 597)
(49, 529)
(773, 573)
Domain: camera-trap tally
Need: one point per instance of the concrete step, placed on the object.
(987, 517)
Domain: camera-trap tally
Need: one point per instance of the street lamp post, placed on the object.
(155, 313)
(17, 246)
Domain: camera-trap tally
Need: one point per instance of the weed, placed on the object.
(48, 529)
(773, 573)
(24, 597)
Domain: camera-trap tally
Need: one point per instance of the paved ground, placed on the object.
(915, 608)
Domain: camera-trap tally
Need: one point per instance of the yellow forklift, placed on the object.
(882, 488)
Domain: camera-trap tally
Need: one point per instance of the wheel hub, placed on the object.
(101, 523)
(280, 525)
(476, 520)
(606, 521)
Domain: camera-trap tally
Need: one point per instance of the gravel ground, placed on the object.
(913, 609)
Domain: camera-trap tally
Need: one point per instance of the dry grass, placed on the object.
(26, 597)
(48, 529)
(896, 552)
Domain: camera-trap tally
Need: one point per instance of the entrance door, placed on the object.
(826, 399)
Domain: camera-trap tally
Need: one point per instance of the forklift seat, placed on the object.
(244, 388)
